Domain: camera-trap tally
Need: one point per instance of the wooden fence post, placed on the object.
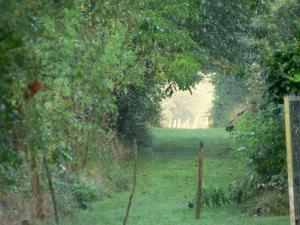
(200, 178)
(292, 128)
(134, 183)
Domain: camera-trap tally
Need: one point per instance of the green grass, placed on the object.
(167, 178)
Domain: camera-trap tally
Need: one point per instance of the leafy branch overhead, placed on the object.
(282, 71)
(81, 79)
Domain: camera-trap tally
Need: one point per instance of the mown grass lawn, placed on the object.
(167, 177)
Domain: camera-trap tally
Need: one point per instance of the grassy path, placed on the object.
(167, 176)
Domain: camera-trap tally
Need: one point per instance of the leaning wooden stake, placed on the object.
(200, 176)
(134, 183)
(51, 189)
(36, 188)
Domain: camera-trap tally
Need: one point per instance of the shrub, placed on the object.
(117, 178)
(282, 71)
(275, 203)
(252, 187)
(260, 142)
(74, 192)
(215, 197)
(83, 194)
(269, 198)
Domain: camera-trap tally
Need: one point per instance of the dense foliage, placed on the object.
(282, 69)
(261, 142)
(259, 136)
(78, 79)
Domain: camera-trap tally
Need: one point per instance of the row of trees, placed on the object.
(269, 70)
(78, 78)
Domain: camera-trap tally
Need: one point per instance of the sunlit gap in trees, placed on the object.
(189, 111)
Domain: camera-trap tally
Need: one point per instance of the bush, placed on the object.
(275, 203)
(137, 110)
(73, 192)
(282, 71)
(83, 194)
(215, 197)
(260, 142)
(268, 198)
(252, 187)
(117, 178)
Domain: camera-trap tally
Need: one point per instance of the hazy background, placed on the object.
(184, 110)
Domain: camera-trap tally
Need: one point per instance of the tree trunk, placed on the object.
(200, 178)
(51, 189)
